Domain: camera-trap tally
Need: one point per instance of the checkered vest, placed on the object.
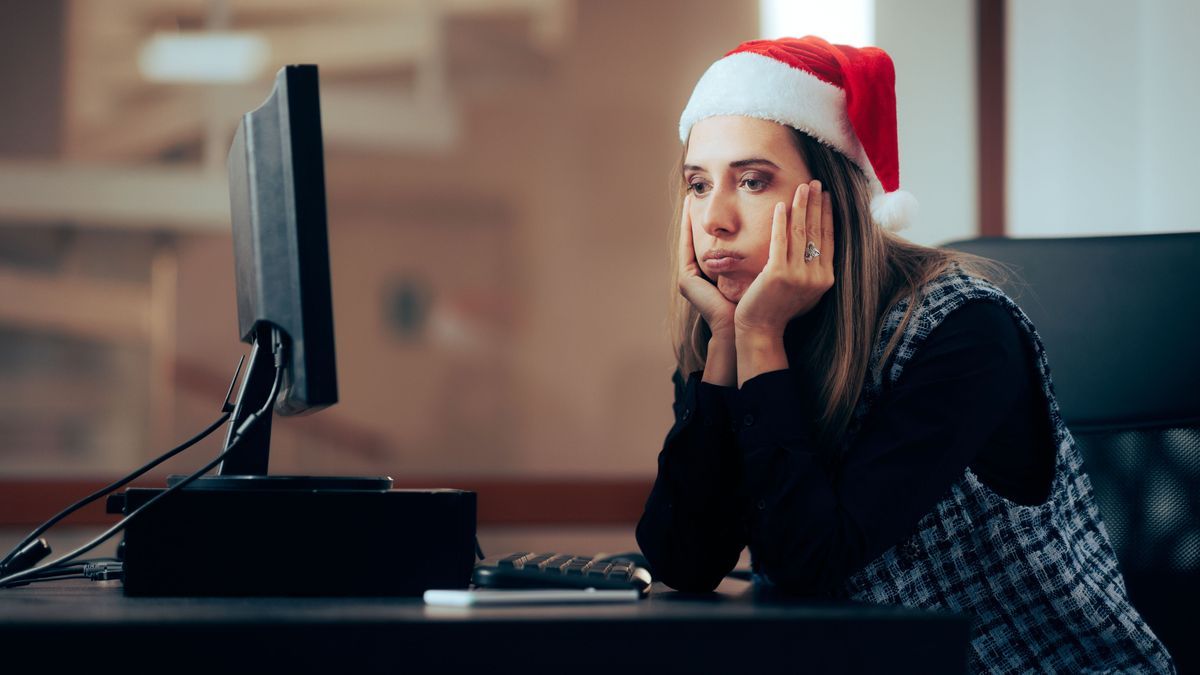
(1041, 581)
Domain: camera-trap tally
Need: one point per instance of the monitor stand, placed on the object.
(245, 468)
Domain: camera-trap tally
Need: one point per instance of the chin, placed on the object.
(732, 289)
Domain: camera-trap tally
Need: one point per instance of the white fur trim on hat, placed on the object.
(753, 85)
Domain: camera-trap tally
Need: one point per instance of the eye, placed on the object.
(755, 184)
(697, 187)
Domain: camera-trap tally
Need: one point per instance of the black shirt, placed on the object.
(740, 466)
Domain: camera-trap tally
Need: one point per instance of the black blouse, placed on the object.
(740, 466)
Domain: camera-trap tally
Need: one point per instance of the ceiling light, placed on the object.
(204, 57)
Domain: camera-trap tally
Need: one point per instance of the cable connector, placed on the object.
(278, 347)
(245, 425)
(27, 557)
(104, 571)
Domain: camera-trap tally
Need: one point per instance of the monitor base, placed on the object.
(283, 482)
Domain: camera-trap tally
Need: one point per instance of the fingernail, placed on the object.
(816, 185)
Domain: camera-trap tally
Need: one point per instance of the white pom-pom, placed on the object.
(894, 210)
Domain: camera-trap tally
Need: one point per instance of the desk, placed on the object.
(92, 624)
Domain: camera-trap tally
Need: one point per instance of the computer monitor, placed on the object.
(281, 261)
(281, 252)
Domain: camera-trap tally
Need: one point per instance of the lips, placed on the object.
(720, 260)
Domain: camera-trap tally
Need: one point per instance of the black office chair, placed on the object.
(1120, 318)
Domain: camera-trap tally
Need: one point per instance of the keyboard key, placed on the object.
(559, 570)
(598, 569)
(513, 560)
(623, 573)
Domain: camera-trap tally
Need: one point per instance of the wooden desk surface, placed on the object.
(89, 624)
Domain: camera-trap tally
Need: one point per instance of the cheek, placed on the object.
(758, 237)
(698, 235)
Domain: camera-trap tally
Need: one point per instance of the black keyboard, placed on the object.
(562, 570)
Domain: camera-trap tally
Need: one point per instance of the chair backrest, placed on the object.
(1120, 318)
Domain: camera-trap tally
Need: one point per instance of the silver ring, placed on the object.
(811, 252)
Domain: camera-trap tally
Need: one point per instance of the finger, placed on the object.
(827, 231)
(812, 217)
(796, 231)
(778, 252)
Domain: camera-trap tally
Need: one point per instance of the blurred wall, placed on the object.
(933, 43)
(1102, 136)
(31, 112)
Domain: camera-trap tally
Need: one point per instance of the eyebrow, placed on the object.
(753, 161)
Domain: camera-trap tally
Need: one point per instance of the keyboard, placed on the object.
(563, 570)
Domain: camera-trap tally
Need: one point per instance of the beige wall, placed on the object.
(543, 238)
(933, 45)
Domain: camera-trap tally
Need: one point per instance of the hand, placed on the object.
(716, 310)
(788, 286)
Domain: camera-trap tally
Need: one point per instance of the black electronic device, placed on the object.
(244, 532)
(281, 258)
(320, 541)
(562, 570)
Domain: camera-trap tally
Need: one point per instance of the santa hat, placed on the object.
(845, 97)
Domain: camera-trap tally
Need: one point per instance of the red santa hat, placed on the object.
(843, 96)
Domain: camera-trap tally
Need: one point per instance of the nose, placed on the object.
(719, 216)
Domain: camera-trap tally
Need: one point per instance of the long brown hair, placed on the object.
(873, 270)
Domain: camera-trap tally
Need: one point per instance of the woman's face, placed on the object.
(737, 168)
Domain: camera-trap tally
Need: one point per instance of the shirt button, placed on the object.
(687, 413)
(748, 420)
(762, 504)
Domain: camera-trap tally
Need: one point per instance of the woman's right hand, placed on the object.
(703, 294)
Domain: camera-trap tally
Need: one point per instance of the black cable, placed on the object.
(57, 572)
(38, 580)
(238, 435)
(95, 571)
(104, 491)
(81, 564)
(29, 551)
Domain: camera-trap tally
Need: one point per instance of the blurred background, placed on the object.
(499, 178)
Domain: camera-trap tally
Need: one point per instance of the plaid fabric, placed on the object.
(1042, 581)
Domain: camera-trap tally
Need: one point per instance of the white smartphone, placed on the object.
(527, 596)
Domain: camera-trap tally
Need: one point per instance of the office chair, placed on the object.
(1120, 318)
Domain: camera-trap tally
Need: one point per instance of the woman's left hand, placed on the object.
(788, 286)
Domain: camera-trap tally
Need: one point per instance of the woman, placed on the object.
(872, 418)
